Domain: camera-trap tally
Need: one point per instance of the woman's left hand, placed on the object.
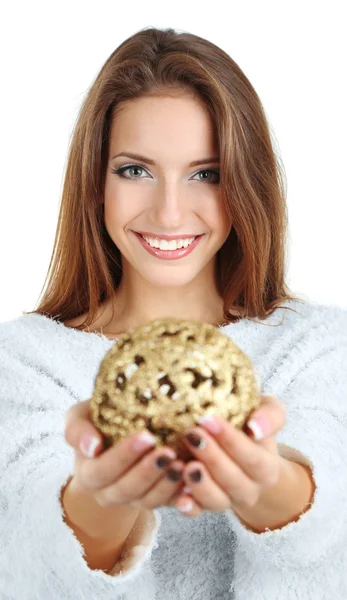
(235, 469)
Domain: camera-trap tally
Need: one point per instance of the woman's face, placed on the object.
(168, 195)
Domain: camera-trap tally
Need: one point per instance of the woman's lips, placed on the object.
(168, 254)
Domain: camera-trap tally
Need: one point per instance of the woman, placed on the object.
(166, 110)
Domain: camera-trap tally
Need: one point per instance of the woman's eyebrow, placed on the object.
(149, 161)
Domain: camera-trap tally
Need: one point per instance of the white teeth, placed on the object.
(169, 244)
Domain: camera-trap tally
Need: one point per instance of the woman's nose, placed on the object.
(169, 205)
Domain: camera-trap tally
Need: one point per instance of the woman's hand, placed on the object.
(234, 469)
(127, 473)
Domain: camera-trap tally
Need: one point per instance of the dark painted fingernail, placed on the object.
(163, 461)
(195, 476)
(173, 475)
(195, 440)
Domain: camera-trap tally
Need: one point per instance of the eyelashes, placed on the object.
(121, 170)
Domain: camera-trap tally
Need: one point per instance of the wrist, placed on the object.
(284, 503)
(106, 524)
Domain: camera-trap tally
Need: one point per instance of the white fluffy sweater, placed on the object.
(45, 367)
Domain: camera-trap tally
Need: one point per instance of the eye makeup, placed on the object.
(121, 170)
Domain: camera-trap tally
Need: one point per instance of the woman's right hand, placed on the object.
(127, 472)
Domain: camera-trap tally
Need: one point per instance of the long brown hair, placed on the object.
(85, 266)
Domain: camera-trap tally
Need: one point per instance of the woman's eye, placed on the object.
(216, 173)
(122, 170)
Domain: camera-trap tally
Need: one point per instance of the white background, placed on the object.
(294, 54)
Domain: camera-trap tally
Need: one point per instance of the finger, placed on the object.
(188, 506)
(273, 417)
(165, 491)
(132, 487)
(106, 469)
(267, 420)
(81, 409)
(233, 459)
(205, 490)
(78, 425)
(224, 484)
(182, 490)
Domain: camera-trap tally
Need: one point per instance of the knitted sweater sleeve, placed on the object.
(307, 558)
(40, 556)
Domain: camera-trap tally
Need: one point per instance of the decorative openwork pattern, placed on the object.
(164, 375)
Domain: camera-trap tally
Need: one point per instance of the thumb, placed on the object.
(80, 432)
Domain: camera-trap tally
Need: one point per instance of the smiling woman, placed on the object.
(135, 188)
(171, 103)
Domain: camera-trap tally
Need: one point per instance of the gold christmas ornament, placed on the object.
(164, 375)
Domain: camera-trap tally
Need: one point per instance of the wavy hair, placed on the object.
(85, 266)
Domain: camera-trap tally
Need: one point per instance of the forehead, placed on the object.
(157, 126)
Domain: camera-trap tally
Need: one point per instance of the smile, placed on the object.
(169, 254)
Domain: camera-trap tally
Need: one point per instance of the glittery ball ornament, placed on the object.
(167, 373)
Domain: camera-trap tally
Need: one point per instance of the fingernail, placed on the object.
(186, 506)
(144, 440)
(195, 476)
(173, 474)
(164, 460)
(88, 445)
(195, 440)
(258, 427)
(210, 423)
